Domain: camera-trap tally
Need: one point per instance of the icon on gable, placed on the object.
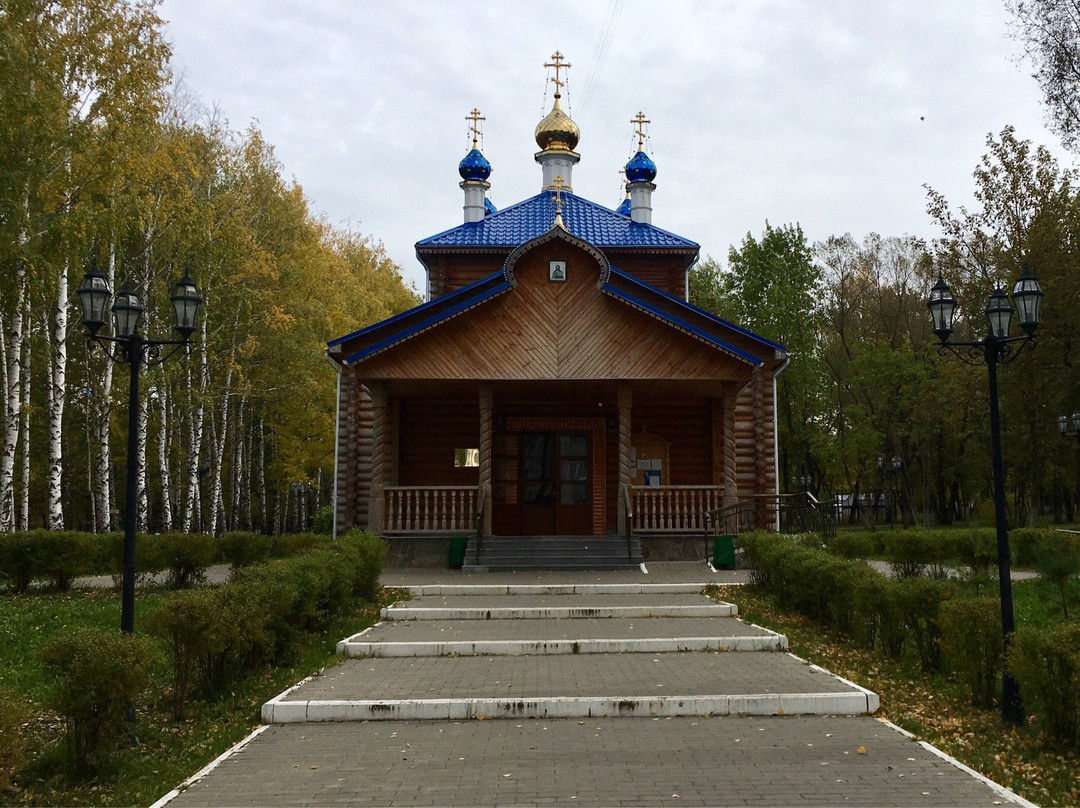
(557, 271)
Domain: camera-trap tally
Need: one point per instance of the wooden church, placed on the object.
(557, 397)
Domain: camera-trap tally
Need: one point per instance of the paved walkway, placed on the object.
(548, 724)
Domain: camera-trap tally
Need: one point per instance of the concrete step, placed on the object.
(582, 636)
(567, 686)
(547, 605)
(425, 590)
(406, 612)
(553, 553)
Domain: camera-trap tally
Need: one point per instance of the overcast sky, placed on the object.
(829, 113)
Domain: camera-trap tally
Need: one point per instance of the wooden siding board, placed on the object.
(544, 330)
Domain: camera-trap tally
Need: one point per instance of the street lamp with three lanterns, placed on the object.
(996, 348)
(127, 345)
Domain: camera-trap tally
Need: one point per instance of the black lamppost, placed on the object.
(997, 347)
(129, 346)
(1071, 426)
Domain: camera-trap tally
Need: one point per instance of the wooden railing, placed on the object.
(673, 508)
(431, 508)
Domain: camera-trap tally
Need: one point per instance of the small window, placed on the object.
(466, 458)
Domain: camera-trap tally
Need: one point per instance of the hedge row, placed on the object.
(921, 551)
(212, 636)
(59, 557)
(945, 628)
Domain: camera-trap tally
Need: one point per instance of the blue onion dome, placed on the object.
(474, 166)
(624, 208)
(489, 206)
(640, 168)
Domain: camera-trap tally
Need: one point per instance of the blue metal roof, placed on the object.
(448, 301)
(517, 224)
(681, 324)
(683, 305)
(464, 303)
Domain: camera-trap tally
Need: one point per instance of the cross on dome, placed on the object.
(639, 122)
(558, 183)
(557, 63)
(474, 119)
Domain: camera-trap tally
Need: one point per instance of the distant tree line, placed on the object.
(106, 158)
(866, 383)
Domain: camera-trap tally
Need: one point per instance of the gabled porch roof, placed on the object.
(360, 345)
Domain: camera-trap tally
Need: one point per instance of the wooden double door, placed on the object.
(555, 486)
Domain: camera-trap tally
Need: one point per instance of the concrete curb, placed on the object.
(407, 612)
(358, 648)
(279, 711)
(997, 788)
(209, 767)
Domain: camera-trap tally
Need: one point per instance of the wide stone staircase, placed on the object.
(496, 553)
(585, 650)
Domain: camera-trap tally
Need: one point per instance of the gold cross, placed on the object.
(558, 182)
(475, 117)
(639, 122)
(557, 63)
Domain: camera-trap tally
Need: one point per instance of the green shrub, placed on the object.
(920, 601)
(241, 549)
(323, 523)
(1023, 542)
(19, 561)
(188, 622)
(852, 544)
(56, 556)
(976, 551)
(371, 553)
(1046, 664)
(96, 676)
(289, 544)
(187, 556)
(13, 712)
(911, 553)
(65, 555)
(971, 634)
(1057, 559)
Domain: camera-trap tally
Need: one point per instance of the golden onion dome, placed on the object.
(557, 130)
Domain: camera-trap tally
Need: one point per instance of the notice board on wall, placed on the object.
(650, 459)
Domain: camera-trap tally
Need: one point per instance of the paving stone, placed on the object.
(608, 762)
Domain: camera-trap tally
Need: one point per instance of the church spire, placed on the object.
(640, 173)
(474, 170)
(557, 135)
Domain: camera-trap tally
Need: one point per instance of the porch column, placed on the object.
(487, 403)
(345, 477)
(626, 401)
(730, 476)
(380, 437)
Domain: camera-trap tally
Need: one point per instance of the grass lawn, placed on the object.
(935, 707)
(167, 752)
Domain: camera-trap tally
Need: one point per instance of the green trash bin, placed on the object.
(723, 557)
(457, 551)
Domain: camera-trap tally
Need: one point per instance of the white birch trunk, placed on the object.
(24, 446)
(57, 400)
(142, 502)
(167, 521)
(191, 505)
(217, 511)
(239, 467)
(101, 406)
(13, 398)
(260, 483)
